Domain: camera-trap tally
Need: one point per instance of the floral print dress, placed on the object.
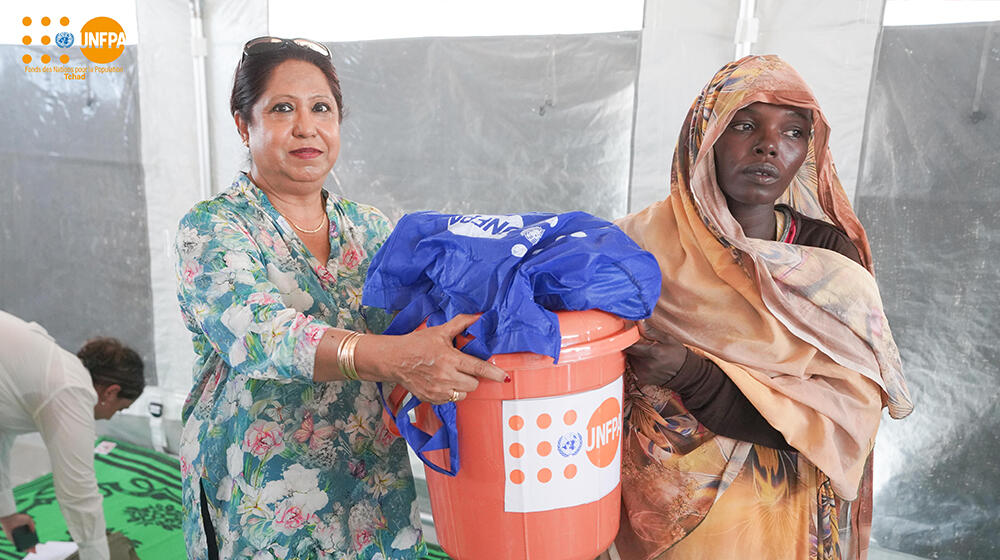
(291, 469)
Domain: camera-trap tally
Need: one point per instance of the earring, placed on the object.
(246, 141)
(102, 402)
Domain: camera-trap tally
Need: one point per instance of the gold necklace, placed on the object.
(314, 230)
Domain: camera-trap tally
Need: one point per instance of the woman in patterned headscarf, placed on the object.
(759, 384)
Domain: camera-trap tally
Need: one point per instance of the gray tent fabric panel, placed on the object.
(488, 124)
(74, 255)
(928, 198)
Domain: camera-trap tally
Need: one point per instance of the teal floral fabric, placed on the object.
(291, 469)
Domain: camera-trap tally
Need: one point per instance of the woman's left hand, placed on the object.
(656, 357)
(426, 362)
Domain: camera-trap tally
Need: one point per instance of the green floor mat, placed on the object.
(435, 553)
(142, 499)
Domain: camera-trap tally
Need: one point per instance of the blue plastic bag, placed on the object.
(515, 270)
(446, 436)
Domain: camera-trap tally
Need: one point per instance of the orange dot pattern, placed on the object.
(45, 39)
(544, 448)
(550, 449)
(544, 475)
(570, 471)
(516, 476)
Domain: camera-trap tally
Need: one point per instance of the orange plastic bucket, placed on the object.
(541, 455)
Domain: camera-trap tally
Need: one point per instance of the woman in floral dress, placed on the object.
(283, 452)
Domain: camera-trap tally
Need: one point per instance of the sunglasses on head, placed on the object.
(268, 44)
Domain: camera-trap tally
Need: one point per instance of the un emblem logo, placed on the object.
(64, 40)
(570, 444)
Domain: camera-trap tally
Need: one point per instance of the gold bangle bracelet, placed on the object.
(342, 355)
(352, 370)
(349, 356)
(345, 355)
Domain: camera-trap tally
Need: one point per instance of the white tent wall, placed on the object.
(488, 124)
(189, 151)
(227, 26)
(832, 44)
(928, 197)
(169, 159)
(73, 220)
(683, 44)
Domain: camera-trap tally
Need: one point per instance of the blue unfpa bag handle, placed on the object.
(446, 437)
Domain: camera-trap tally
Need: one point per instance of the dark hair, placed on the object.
(253, 72)
(112, 363)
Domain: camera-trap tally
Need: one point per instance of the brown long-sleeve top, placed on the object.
(711, 396)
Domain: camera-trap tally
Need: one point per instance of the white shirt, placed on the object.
(46, 389)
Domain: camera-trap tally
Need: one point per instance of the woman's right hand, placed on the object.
(426, 362)
(656, 356)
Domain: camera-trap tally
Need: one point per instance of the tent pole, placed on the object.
(199, 52)
(746, 28)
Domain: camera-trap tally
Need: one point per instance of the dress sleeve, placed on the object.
(844, 246)
(225, 294)
(715, 401)
(379, 228)
(817, 233)
(66, 423)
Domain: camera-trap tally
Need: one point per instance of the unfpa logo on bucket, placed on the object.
(562, 451)
(604, 431)
(102, 40)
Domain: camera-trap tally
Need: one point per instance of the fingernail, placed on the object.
(506, 379)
